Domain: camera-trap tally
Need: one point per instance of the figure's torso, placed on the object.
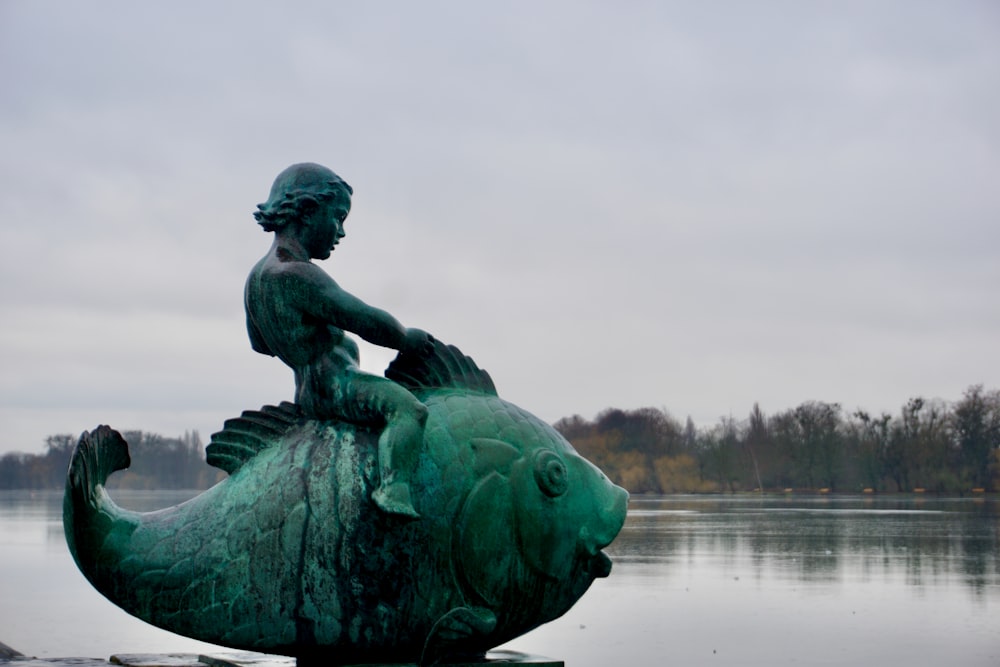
(280, 321)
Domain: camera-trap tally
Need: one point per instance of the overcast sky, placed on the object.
(692, 206)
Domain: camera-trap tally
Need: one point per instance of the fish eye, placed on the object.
(550, 473)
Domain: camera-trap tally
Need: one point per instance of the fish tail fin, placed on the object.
(98, 454)
(89, 514)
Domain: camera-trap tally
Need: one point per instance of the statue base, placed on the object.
(492, 658)
(495, 658)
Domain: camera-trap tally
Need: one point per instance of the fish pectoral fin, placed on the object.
(493, 455)
(452, 633)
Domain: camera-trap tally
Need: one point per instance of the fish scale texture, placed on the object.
(290, 556)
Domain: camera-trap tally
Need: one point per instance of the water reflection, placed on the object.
(920, 541)
(755, 582)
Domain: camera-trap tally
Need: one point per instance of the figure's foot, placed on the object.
(394, 498)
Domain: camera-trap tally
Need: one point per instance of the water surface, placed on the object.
(697, 581)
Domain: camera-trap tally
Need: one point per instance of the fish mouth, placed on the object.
(600, 565)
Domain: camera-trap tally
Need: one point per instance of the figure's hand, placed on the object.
(418, 342)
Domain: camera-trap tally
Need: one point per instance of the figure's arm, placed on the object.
(325, 300)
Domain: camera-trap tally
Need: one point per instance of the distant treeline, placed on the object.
(929, 445)
(157, 463)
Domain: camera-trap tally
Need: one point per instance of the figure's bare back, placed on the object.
(285, 314)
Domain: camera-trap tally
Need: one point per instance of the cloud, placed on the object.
(654, 204)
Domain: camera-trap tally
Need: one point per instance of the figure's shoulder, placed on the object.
(275, 269)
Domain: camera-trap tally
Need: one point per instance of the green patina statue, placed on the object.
(298, 313)
(416, 517)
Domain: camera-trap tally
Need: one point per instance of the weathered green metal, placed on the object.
(295, 554)
(298, 313)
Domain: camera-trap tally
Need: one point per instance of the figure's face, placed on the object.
(326, 227)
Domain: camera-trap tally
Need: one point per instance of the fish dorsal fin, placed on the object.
(444, 368)
(244, 437)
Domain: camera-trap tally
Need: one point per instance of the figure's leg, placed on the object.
(400, 441)
(398, 448)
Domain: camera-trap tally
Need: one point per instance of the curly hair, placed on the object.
(296, 190)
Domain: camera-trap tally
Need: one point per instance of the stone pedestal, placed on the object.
(496, 658)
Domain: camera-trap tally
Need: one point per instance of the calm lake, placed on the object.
(799, 580)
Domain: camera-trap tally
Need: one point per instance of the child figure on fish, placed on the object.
(298, 313)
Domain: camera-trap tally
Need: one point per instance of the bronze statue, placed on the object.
(301, 551)
(297, 313)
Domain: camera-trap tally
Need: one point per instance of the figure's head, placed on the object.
(298, 191)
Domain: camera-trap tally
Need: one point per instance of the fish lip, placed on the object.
(600, 565)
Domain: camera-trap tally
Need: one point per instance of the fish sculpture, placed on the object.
(288, 555)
